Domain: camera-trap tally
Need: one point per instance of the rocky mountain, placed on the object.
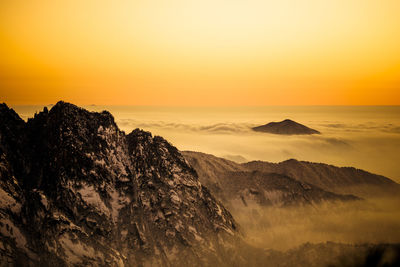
(77, 191)
(285, 183)
(237, 185)
(285, 127)
(340, 180)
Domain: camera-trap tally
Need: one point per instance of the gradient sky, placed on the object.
(209, 52)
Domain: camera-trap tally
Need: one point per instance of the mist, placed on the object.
(365, 137)
(373, 221)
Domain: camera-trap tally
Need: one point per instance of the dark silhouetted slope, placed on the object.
(235, 184)
(339, 180)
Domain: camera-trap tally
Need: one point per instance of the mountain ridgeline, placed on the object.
(286, 183)
(75, 190)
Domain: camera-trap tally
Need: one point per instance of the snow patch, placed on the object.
(7, 201)
(117, 203)
(175, 198)
(75, 250)
(9, 229)
(100, 162)
(219, 210)
(43, 200)
(92, 198)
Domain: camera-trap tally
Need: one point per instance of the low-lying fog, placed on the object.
(359, 136)
(363, 137)
(371, 221)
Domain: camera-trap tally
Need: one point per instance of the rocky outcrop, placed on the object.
(77, 191)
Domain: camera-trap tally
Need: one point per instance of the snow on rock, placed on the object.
(117, 203)
(92, 198)
(8, 229)
(95, 196)
(8, 202)
(75, 251)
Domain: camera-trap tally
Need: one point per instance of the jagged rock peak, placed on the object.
(8, 116)
(97, 196)
(11, 133)
(70, 113)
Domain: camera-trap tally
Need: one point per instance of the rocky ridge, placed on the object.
(289, 182)
(77, 191)
(340, 180)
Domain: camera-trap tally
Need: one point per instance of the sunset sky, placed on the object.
(200, 53)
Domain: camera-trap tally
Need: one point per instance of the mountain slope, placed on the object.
(341, 180)
(81, 192)
(235, 184)
(215, 172)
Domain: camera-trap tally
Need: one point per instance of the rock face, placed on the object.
(75, 190)
(237, 185)
(285, 127)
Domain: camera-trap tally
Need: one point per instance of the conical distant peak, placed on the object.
(286, 126)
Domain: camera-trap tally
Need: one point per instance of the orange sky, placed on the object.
(209, 52)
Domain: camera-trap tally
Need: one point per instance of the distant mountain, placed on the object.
(285, 127)
(340, 180)
(237, 185)
(77, 191)
(286, 183)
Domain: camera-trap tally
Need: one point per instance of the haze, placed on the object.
(362, 137)
(200, 53)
